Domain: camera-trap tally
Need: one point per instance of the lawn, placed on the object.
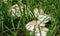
(14, 25)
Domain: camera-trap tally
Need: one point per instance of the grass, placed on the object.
(13, 26)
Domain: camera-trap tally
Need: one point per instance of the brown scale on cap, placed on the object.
(32, 22)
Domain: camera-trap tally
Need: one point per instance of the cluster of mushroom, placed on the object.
(38, 25)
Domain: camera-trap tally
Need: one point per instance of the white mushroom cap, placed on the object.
(44, 29)
(42, 32)
(30, 25)
(15, 10)
(36, 12)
